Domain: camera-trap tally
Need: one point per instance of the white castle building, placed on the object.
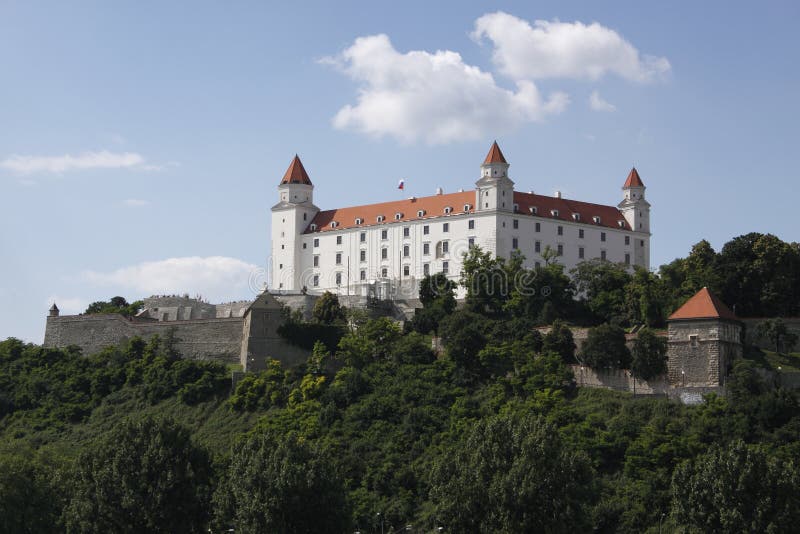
(384, 249)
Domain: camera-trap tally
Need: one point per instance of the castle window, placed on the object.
(471, 224)
(554, 213)
(602, 236)
(384, 272)
(426, 269)
(467, 207)
(603, 255)
(515, 224)
(560, 249)
(537, 246)
(627, 259)
(516, 208)
(471, 242)
(283, 247)
(538, 227)
(384, 234)
(406, 231)
(305, 245)
(580, 253)
(560, 230)
(693, 341)
(338, 258)
(448, 210)
(398, 216)
(406, 270)
(305, 216)
(627, 240)
(280, 266)
(338, 240)
(445, 247)
(363, 237)
(338, 279)
(446, 227)
(406, 251)
(359, 220)
(533, 209)
(313, 227)
(384, 253)
(426, 249)
(316, 261)
(580, 233)
(537, 264)
(596, 219)
(334, 224)
(621, 224)
(363, 255)
(426, 230)
(363, 274)
(421, 213)
(514, 243)
(316, 242)
(641, 242)
(381, 218)
(445, 267)
(315, 281)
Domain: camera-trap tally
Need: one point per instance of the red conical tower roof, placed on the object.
(495, 155)
(633, 179)
(296, 173)
(704, 305)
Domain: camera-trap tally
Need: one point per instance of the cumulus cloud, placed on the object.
(435, 96)
(554, 49)
(87, 160)
(215, 277)
(597, 103)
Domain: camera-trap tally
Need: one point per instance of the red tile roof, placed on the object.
(610, 216)
(633, 179)
(704, 305)
(434, 206)
(495, 155)
(296, 173)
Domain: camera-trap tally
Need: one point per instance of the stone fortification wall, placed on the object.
(182, 308)
(217, 339)
(620, 380)
(701, 352)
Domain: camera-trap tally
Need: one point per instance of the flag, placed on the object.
(401, 185)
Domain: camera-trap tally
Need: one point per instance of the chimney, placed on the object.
(558, 194)
(439, 191)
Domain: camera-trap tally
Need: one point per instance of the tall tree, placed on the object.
(281, 484)
(605, 348)
(649, 354)
(327, 309)
(602, 285)
(146, 475)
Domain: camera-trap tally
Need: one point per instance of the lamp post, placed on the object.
(380, 517)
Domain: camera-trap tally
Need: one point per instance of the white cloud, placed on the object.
(87, 160)
(597, 103)
(135, 202)
(554, 49)
(215, 277)
(67, 305)
(435, 97)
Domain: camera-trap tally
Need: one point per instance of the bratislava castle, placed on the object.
(384, 249)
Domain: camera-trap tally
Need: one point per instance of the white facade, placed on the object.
(385, 249)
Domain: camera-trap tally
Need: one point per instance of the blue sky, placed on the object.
(142, 142)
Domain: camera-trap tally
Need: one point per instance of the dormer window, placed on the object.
(398, 216)
(516, 208)
(554, 213)
(359, 220)
(467, 207)
(533, 209)
(421, 213)
(313, 227)
(576, 216)
(448, 210)
(334, 224)
(621, 224)
(381, 218)
(596, 219)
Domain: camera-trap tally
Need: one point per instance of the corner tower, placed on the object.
(290, 217)
(636, 210)
(494, 189)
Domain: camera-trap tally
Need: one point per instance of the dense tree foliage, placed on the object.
(115, 305)
(605, 348)
(146, 475)
(328, 310)
(649, 354)
(776, 331)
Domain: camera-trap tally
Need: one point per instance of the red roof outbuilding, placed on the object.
(704, 305)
